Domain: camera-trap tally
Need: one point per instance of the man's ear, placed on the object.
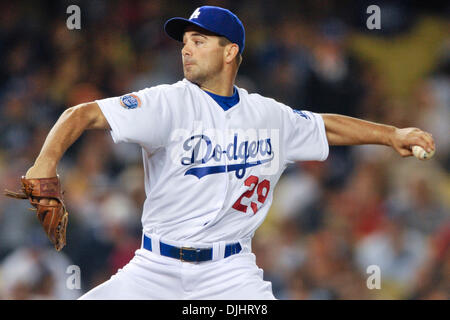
(231, 51)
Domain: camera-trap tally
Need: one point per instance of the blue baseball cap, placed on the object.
(214, 19)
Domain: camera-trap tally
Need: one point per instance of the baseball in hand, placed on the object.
(421, 154)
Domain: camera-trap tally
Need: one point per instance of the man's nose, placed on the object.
(186, 51)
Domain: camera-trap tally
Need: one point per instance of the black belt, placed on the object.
(190, 254)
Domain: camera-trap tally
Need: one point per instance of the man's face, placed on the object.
(202, 55)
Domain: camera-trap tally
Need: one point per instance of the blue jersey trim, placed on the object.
(225, 102)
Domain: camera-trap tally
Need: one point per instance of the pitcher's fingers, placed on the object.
(430, 140)
(426, 141)
(417, 140)
(405, 152)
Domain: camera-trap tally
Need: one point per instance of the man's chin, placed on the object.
(192, 78)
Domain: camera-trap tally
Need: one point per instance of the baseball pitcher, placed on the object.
(212, 155)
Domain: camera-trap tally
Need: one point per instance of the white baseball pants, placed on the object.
(152, 276)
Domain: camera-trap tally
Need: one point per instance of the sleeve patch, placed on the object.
(302, 114)
(130, 101)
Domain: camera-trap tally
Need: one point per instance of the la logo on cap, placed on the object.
(195, 14)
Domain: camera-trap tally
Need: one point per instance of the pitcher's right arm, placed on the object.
(69, 127)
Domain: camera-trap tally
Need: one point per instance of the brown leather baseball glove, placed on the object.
(53, 217)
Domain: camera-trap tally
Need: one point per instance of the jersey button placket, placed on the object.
(226, 161)
(230, 135)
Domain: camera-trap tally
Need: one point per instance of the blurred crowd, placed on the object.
(330, 221)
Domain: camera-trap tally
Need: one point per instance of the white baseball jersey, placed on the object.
(210, 173)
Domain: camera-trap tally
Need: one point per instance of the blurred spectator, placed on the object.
(399, 252)
(433, 281)
(36, 273)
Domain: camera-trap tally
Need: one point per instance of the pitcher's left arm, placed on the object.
(344, 130)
